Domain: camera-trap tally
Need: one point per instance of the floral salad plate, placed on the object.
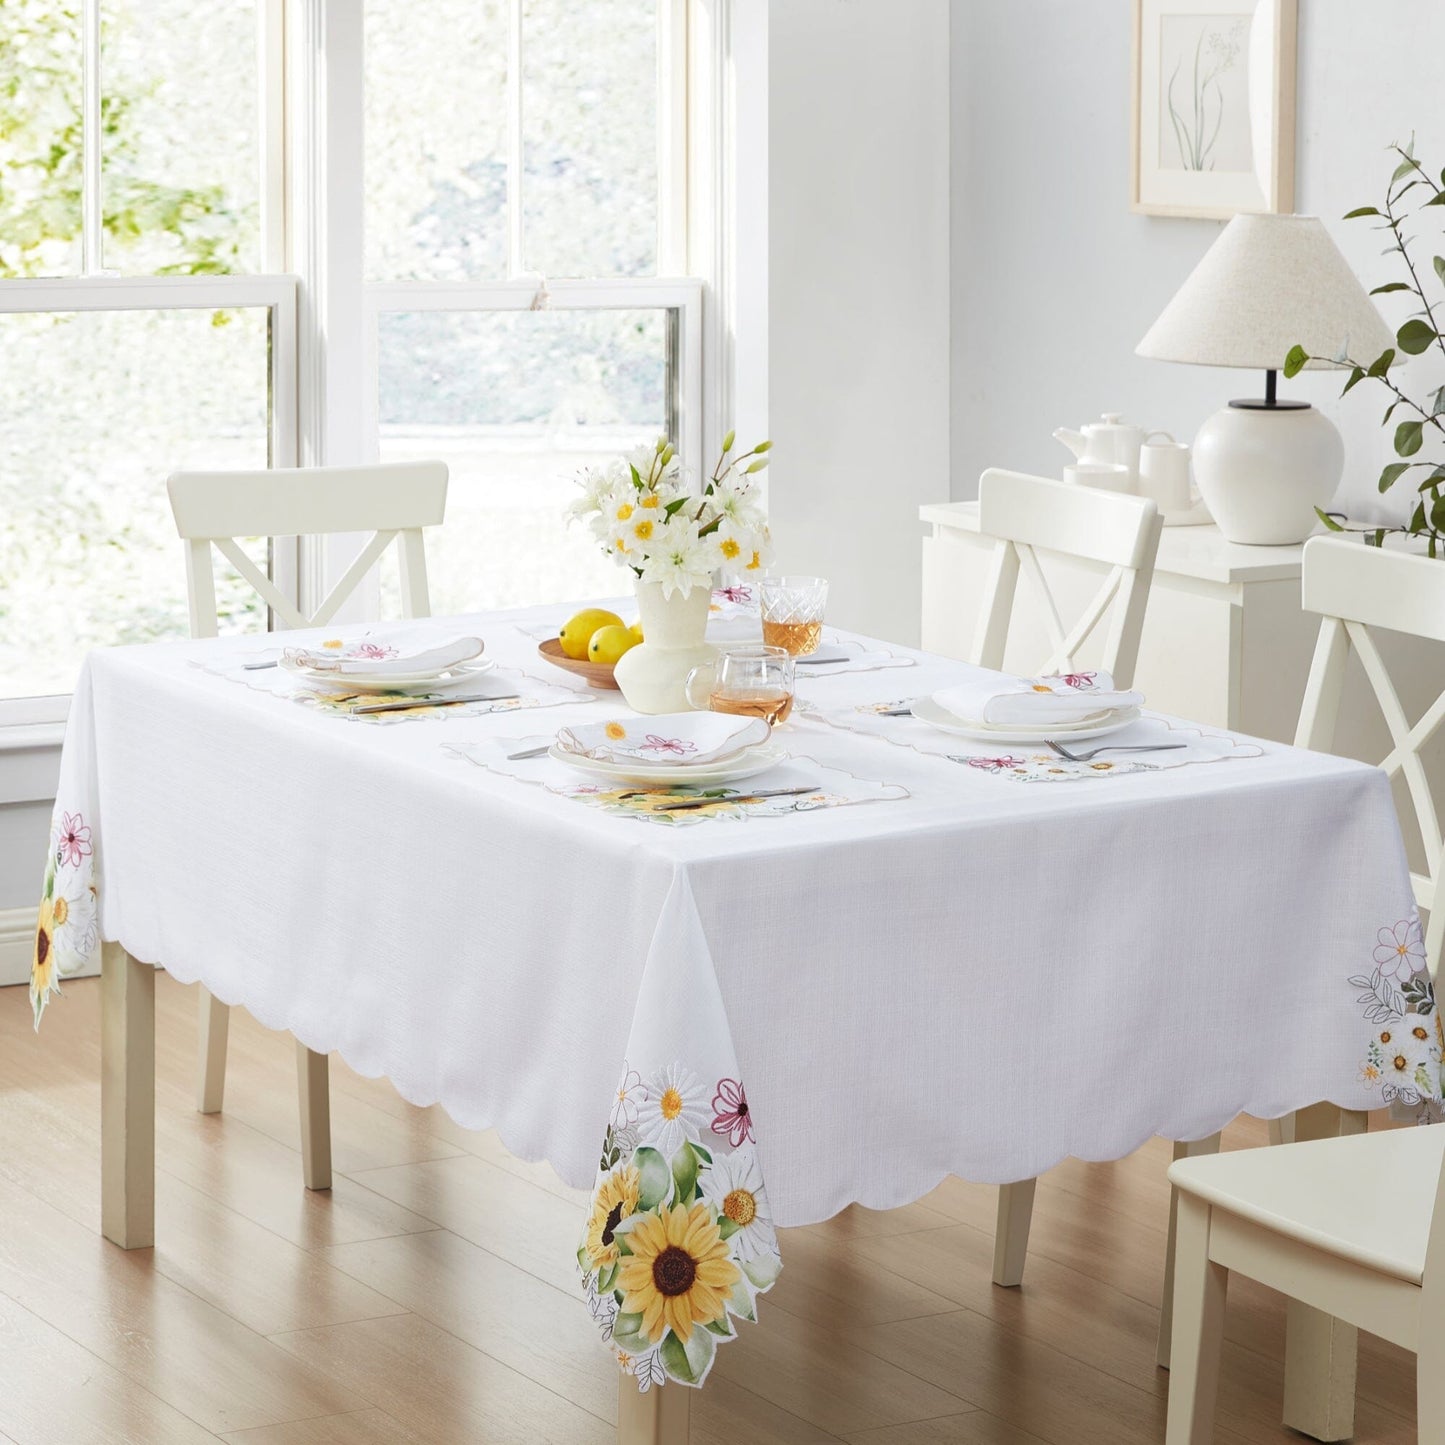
(372, 666)
(699, 775)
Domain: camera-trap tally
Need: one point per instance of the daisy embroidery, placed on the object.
(1400, 950)
(734, 1187)
(672, 1110)
(630, 1094)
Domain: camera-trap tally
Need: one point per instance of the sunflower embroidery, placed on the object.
(678, 1274)
(44, 979)
(614, 1200)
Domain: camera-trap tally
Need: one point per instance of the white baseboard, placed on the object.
(17, 944)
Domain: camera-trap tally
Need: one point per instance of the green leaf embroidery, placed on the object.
(656, 1178)
(684, 1174)
(688, 1362)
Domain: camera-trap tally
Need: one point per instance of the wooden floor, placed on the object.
(430, 1297)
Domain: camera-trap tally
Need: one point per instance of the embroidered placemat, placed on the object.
(795, 785)
(1035, 763)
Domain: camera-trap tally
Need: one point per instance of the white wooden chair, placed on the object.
(1353, 1227)
(1028, 515)
(212, 509)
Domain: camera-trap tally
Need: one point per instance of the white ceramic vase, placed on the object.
(653, 675)
(1263, 472)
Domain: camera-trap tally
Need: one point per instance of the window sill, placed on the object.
(26, 737)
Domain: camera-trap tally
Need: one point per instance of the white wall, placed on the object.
(1055, 280)
(858, 295)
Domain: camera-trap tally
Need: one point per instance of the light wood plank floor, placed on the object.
(428, 1298)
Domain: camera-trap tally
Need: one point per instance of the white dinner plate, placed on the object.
(926, 710)
(703, 775)
(423, 681)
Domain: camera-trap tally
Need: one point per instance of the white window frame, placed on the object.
(340, 331)
(97, 290)
(180, 293)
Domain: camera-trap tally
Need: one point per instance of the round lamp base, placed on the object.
(1263, 471)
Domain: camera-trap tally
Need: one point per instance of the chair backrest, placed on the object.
(1354, 588)
(1026, 515)
(393, 502)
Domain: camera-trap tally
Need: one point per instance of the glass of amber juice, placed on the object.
(746, 681)
(793, 613)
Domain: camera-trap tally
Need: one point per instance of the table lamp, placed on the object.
(1268, 283)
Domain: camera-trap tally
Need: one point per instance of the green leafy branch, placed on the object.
(1417, 335)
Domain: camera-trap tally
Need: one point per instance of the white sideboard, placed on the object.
(1225, 640)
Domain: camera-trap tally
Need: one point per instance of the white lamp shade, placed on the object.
(1267, 284)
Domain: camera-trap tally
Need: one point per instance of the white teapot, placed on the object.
(1110, 441)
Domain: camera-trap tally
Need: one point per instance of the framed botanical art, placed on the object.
(1214, 103)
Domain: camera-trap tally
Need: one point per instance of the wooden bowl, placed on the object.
(594, 674)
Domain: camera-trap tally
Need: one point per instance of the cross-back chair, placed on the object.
(1354, 588)
(1025, 516)
(1354, 1227)
(212, 510)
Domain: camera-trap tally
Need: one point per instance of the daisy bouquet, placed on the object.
(647, 516)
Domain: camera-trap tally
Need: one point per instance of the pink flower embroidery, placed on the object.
(678, 747)
(1400, 950)
(734, 594)
(730, 1112)
(995, 765)
(373, 651)
(1081, 680)
(74, 841)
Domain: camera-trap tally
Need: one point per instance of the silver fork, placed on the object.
(1063, 752)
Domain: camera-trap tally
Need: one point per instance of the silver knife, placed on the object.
(530, 753)
(736, 798)
(259, 666)
(897, 711)
(402, 704)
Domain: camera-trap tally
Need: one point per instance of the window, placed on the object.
(138, 334)
(523, 189)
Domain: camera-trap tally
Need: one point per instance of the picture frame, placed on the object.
(1213, 130)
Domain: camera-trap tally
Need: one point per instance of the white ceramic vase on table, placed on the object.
(653, 675)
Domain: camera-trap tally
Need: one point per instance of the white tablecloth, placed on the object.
(973, 978)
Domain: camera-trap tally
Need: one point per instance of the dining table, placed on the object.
(922, 955)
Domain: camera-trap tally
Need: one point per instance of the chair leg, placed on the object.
(214, 1026)
(314, 1089)
(1166, 1304)
(657, 1418)
(1429, 1395)
(1011, 1232)
(1320, 1354)
(127, 1099)
(1200, 1286)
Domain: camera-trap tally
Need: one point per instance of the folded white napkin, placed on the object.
(994, 698)
(682, 739)
(374, 657)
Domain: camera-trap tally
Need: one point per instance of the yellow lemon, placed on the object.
(609, 643)
(577, 631)
(635, 628)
